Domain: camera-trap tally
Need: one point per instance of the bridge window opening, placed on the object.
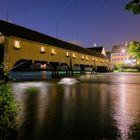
(17, 45)
(53, 52)
(67, 54)
(42, 50)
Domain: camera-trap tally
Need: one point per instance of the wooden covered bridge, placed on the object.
(24, 48)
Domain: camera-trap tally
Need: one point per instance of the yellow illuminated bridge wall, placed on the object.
(16, 49)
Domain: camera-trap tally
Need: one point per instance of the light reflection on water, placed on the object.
(102, 106)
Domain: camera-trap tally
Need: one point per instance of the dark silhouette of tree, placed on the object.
(133, 6)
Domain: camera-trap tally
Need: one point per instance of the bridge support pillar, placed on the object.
(55, 70)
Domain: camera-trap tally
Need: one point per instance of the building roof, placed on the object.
(108, 55)
(10, 29)
(118, 48)
(97, 49)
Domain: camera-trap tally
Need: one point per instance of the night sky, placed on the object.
(104, 22)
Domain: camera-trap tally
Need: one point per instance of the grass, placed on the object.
(8, 113)
(127, 70)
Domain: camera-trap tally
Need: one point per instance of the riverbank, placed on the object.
(8, 113)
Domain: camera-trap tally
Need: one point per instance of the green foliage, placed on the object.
(8, 113)
(119, 66)
(134, 49)
(4, 76)
(138, 67)
(126, 68)
(133, 6)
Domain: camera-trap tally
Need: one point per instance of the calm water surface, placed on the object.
(88, 107)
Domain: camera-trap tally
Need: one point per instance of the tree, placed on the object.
(134, 49)
(133, 6)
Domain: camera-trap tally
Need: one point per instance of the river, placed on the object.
(84, 107)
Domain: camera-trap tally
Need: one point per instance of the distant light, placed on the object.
(123, 51)
(94, 45)
(126, 43)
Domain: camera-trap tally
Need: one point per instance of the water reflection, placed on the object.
(97, 107)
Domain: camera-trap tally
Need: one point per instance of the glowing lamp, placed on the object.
(87, 58)
(67, 54)
(42, 50)
(83, 58)
(123, 51)
(17, 45)
(73, 55)
(53, 52)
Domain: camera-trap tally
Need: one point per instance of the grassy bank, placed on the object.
(8, 113)
(126, 68)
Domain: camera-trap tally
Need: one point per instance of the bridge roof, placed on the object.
(10, 29)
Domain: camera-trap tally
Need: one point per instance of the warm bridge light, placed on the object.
(67, 54)
(87, 58)
(17, 45)
(83, 58)
(73, 55)
(93, 59)
(42, 50)
(53, 52)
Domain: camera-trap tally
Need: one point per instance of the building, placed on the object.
(119, 55)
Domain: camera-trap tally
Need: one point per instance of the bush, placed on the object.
(138, 67)
(8, 113)
(126, 68)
